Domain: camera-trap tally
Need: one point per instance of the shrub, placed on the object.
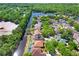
(48, 31)
(70, 21)
(63, 50)
(34, 21)
(67, 34)
(50, 45)
(28, 54)
(72, 45)
(76, 26)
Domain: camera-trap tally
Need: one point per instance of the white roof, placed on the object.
(7, 27)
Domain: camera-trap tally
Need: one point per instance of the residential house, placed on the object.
(37, 26)
(37, 31)
(76, 36)
(6, 28)
(37, 52)
(39, 43)
(37, 35)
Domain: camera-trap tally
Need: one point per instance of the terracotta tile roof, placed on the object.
(39, 43)
(37, 52)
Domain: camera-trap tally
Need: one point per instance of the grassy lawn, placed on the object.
(27, 44)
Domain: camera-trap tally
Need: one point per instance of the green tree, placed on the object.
(45, 18)
(34, 21)
(63, 50)
(76, 26)
(67, 34)
(61, 30)
(46, 31)
(56, 17)
(70, 21)
(49, 47)
(72, 45)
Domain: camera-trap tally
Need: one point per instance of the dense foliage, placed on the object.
(76, 26)
(19, 14)
(34, 21)
(47, 30)
(64, 50)
(51, 45)
(67, 34)
(69, 9)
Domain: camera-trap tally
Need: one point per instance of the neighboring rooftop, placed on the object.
(39, 43)
(6, 28)
(37, 31)
(37, 52)
(76, 36)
